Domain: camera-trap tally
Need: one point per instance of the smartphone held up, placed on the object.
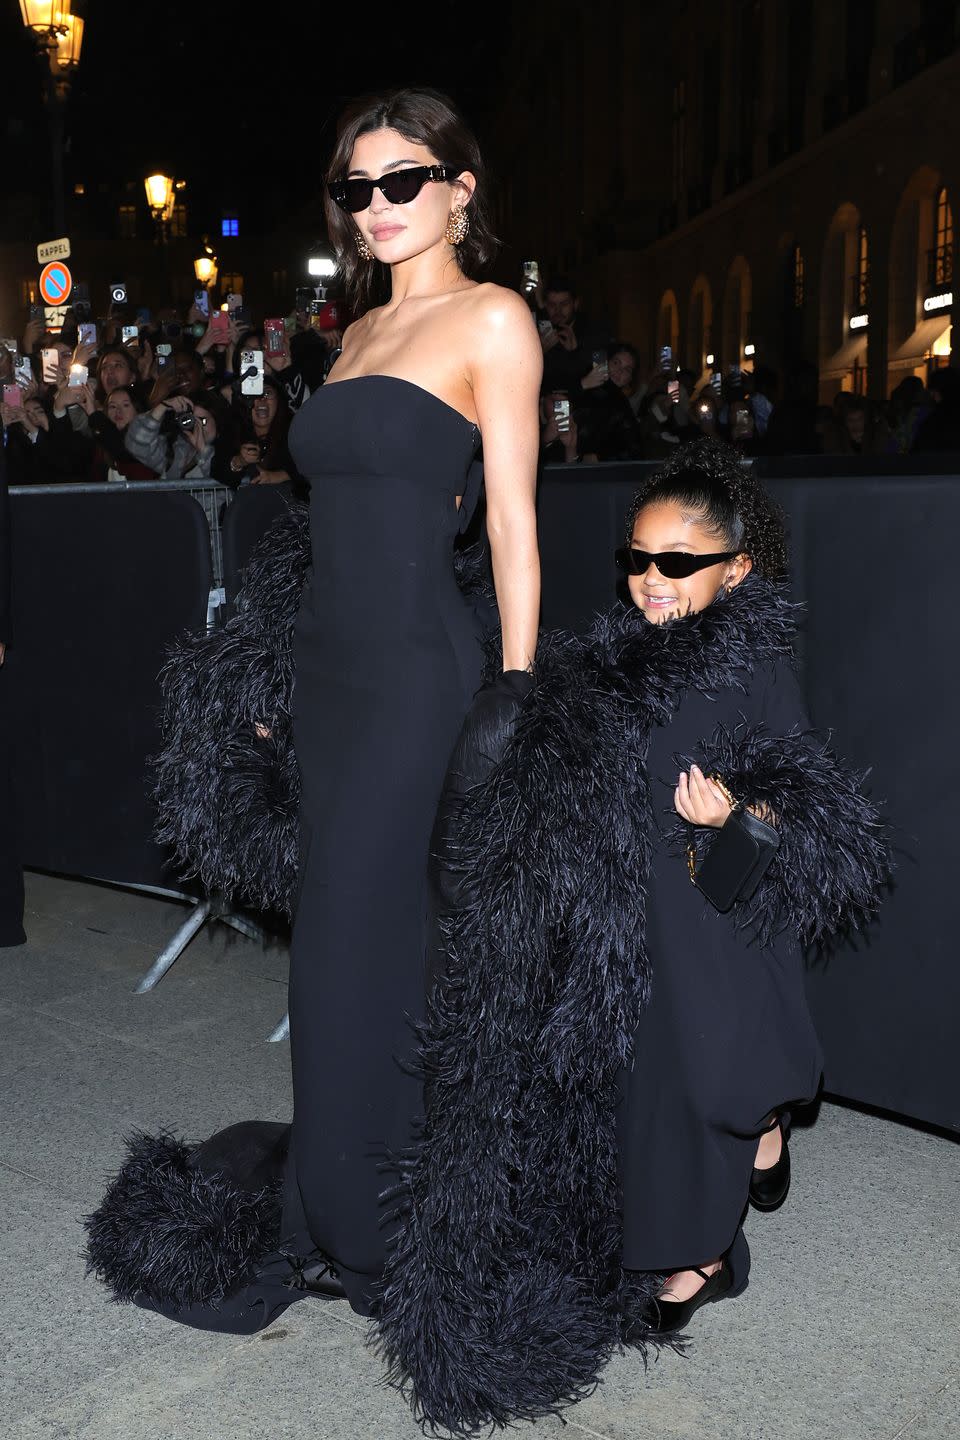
(251, 372)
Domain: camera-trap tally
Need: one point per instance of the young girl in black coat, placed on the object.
(725, 1042)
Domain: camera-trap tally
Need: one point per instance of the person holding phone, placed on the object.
(568, 339)
(262, 455)
(559, 433)
(609, 426)
(176, 438)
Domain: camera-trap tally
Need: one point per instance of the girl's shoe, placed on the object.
(768, 1188)
(673, 1315)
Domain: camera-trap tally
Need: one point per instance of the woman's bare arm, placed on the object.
(506, 367)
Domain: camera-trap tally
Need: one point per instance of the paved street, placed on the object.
(848, 1329)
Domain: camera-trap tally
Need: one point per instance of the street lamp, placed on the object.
(66, 56)
(160, 198)
(205, 265)
(58, 37)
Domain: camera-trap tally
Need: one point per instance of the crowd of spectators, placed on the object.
(599, 402)
(160, 399)
(164, 399)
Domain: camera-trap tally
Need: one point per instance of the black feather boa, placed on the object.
(503, 1295)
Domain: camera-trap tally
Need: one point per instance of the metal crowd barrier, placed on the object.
(213, 499)
(210, 495)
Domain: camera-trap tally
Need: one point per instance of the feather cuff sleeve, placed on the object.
(833, 864)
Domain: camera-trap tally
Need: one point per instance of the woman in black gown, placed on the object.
(387, 659)
(386, 649)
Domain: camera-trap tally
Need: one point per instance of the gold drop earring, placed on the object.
(458, 225)
(363, 249)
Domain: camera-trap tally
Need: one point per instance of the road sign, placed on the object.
(56, 282)
(54, 316)
(53, 250)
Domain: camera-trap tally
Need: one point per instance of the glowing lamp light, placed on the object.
(69, 44)
(45, 15)
(205, 265)
(159, 190)
(859, 322)
(321, 266)
(938, 302)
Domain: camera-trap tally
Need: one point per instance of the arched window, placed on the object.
(668, 322)
(861, 279)
(797, 278)
(943, 244)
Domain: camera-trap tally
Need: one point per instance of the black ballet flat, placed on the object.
(768, 1188)
(668, 1316)
(317, 1275)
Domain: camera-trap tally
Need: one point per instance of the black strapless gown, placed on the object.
(387, 659)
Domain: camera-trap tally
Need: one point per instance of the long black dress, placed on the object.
(387, 659)
(726, 1036)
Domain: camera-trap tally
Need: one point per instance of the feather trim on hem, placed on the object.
(172, 1233)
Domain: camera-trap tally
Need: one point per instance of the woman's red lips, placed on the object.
(384, 232)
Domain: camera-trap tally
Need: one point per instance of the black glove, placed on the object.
(483, 739)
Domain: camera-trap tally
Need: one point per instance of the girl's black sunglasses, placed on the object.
(672, 564)
(399, 187)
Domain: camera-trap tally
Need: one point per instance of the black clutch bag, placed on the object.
(738, 858)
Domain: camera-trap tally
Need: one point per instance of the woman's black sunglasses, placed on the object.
(672, 564)
(399, 187)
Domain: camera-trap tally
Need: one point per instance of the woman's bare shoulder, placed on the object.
(500, 309)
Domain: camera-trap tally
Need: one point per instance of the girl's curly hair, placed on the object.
(710, 479)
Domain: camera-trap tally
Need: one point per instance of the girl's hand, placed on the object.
(700, 801)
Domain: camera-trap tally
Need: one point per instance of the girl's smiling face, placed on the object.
(668, 525)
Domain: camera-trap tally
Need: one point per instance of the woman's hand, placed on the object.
(699, 800)
(164, 386)
(63, 396)
(32, 334)
(145, 360)
(84, 353)
(13, 415)
(269, 477)
(85, 398)
(571, 440)
(283, 360)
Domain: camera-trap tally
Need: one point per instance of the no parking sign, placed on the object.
(56, 282)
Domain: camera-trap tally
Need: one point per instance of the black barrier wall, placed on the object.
(103, 583)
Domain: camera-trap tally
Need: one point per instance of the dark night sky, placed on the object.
(196, 88)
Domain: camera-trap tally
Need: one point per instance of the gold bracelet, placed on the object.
(691, 848)
(734, 804)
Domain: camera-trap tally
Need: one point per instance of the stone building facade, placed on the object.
(749, 181)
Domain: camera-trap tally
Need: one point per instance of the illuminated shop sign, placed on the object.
(938, 302)
(859, 322)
